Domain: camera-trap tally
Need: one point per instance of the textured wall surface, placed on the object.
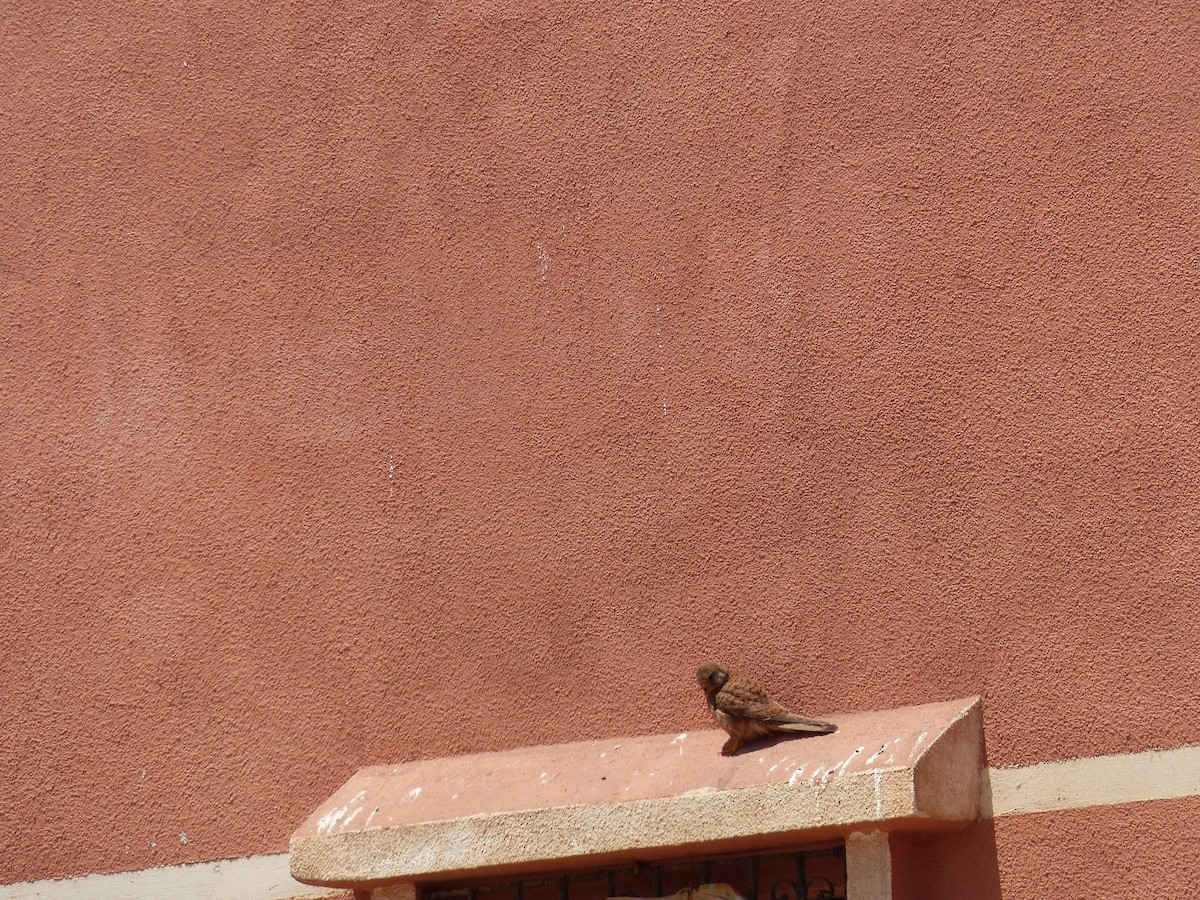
(383, 380)
(1131, 850)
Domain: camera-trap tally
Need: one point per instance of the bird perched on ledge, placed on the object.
(746, 711)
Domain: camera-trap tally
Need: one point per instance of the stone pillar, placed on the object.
(868, 866)
(405, 891)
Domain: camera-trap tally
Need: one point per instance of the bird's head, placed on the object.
(712, 677)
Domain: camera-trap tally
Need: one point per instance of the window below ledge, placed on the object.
(773, 876)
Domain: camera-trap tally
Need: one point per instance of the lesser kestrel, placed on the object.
(746, 711)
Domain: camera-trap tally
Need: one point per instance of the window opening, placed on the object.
(811, 874)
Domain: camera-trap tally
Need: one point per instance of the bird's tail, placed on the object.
(798, 724)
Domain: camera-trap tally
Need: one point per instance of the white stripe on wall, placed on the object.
(248, 878)
(1094, 781)
(1070, 784)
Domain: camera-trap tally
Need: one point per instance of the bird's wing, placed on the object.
(746, 699)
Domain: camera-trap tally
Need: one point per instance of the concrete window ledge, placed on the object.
(597, 802)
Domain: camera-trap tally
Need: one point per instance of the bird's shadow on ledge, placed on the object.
(760, 744)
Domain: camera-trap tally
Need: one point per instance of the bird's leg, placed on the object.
(731, 746)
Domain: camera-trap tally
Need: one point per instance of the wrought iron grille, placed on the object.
(813, 874)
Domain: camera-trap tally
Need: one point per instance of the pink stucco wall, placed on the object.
(1129, 850)
(393, 380)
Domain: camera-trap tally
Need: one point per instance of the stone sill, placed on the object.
(595, 802)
